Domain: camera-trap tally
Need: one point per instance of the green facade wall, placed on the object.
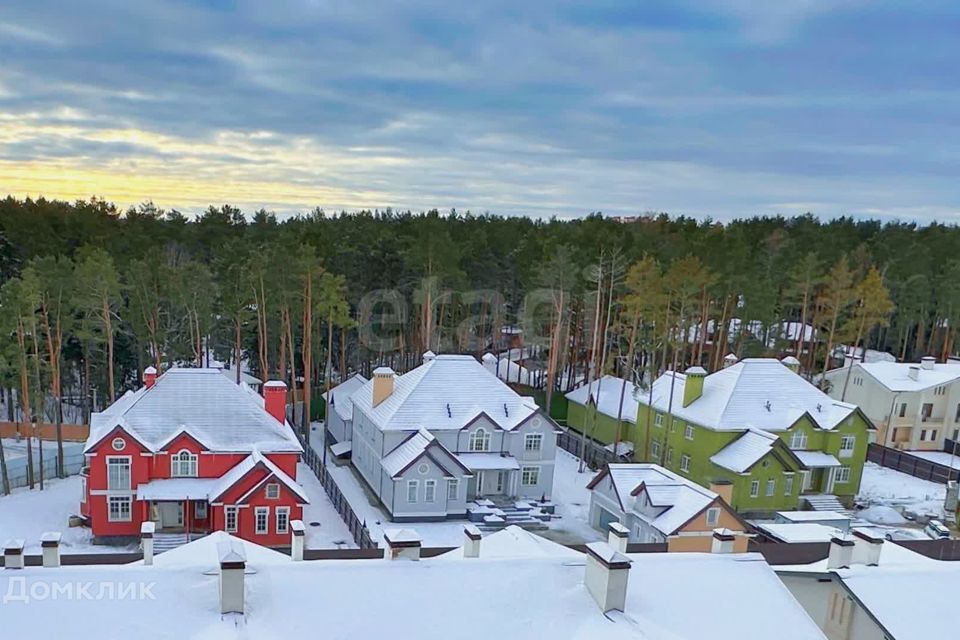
(597, 425)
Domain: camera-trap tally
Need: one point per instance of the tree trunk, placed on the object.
(4, 478)
(108, 330)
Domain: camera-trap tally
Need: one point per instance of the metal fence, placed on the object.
(595, 455)
(358, 529)
(908, 463)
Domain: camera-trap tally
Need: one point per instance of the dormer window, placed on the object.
(798, 440)
(480, 440)
(183, 465)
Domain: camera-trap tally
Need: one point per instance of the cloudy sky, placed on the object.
(540, 108)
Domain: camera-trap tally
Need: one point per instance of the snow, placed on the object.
(879, 514)
(487, 461)
(406, 452)
(29, 514)
(886, 487)
(614, 397)
(340, 395)
(940, 457)
(743, 453)
(812, 516)
(799, 531)
(176, 489)
(817, 459)
(332, 532)
(895, 376)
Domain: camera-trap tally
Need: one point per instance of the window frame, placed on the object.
(177, 461)
(413, 485)
(688, 432)
(715, 519)
(788, 484)
(266, 491)
(843, 475)
(800, 437)
(847, 451)
(196, 510)
(430, 491)
(658, 419)
(533, 471)
(227, 512)
(533, 437)
(128, 462)
(479, 438)
(257, 512)
(453, 488)
(771, 488)
(684, 463)
(655, 449)
(128, 500)
(285, 512)
(754, 488)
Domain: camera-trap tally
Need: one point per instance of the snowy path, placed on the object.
(332, 532)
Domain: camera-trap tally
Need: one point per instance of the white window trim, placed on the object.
(479, 441)
(754, 488)
(658, 420)
(842, 476)
(655, 448)
(788, 485)
(684, 463)
(429, 485)
(453, 488)
(688, 432)
(279, 511)
(176, 464)
(275, 486)
(771, 488)
(415, 486)
(523, 475)
(533, 437)
(715, 519)
(129, 461)
(266, 521)
(128, 500)
(226, 520)
(799, 440)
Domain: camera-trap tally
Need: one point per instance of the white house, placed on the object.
(445, 434)
(339, 413)
(914, 405)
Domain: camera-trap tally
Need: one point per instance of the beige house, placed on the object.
(913, 405)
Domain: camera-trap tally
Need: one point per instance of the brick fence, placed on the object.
(71, 432)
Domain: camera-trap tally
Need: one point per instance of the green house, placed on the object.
(773, 440)
(603, 409)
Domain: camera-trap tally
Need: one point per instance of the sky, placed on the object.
(541, 108)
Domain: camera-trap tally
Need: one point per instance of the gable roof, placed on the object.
(244, 468)
(895, 376)
(613, 397)
(759, 393)
(747, 449)
(445, 392)
(412, 449)
(215, 411)
(340, 396)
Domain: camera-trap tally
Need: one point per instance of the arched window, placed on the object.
(183, 465)
(480, 440)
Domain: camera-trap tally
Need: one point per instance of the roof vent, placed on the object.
(449, 414)
(819, 408)
(767, 405)
(506, 411)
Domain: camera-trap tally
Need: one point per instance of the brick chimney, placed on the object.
(233, 564)
(724, 489)
(606, 576)
(275, 399)
(149, 377)
(50, 548)
(382, 384)
(402, 544)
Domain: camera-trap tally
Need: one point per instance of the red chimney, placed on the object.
(275, 399)
(149, 377)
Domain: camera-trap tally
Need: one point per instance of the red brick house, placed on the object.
(193, 452)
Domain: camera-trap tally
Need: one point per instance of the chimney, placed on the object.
(693, 387)
(953, 496)
(791, 363)
(724, 489)
(402, 544)
(729, 360)
(429, 356)
(382, 384)
(867, 547)
(149, 377)
(927, 362)
(723, 541)
(233, 564)
(147, 530)
(275, 399)
(606, 576)
(296, 544)
(914, 372)
(618, 536)
(13, 554)
(841, 553)
(50, 547)
(471, 546)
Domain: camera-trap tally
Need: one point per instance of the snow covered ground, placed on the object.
(26, 514)
(903, 492)
(331, 533)
(940, 457)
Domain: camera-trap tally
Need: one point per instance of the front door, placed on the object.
(171, 515)
(501, 481)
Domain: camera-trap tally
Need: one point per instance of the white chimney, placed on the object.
(867, 547)
(927, 362)
(296, 544)
(402, 544)
(233, 564)
(13, 554)
(729, 360)
(606, 576)
(147, 529)
(618, 536)
(914, 372)
(471, 544)
(382, 384)
(841, 553)
(723, 541)
(50, 547)
(428, 356)
(791, 363)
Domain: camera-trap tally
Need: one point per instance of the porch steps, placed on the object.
(167, 541)
(505, 514)
(825, 502)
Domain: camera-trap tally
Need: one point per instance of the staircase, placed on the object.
(506, 513)
(167, 541)
(824, 502)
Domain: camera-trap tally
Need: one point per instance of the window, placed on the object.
(771, 487)
(669, 459)
(230, 519)
(118, 444)
(939, 391)
(480, 440)
(532, 442)
(413, 487)
(713, 516)
(788, 485)
(262, 518)
(685, 463)
(119, 507)
(530, 476)
(429, 490)
(903, 409)
(933, 435)
(754, 488)
(118, 473)
(273, 491)
(847, 444)
(658, 420)
(200, 510)
(798, 440)
(423, 469)
(83, 488)
(956, 417)
(688, 432)
(183, 465)
(923, 434)
(926, 411)
(655, 449)
(843, 475)
(283, 519)
(453, 489)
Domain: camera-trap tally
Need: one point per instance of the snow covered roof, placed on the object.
(514, 542)
(176, 489)
(547, 591)
(808, 516)
(745, 451)
(231, 373)
(447, 392)
(248, 464)
(613, 396)
(759, 393)
(221, 415)
(203, 552)
(341, 393)
(895, 376)
(487, 461)
(816, 459)
(798, 531)
(683, 498)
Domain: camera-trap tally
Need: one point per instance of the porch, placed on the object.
(494, 475)
(821, 473)
(178, 505)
